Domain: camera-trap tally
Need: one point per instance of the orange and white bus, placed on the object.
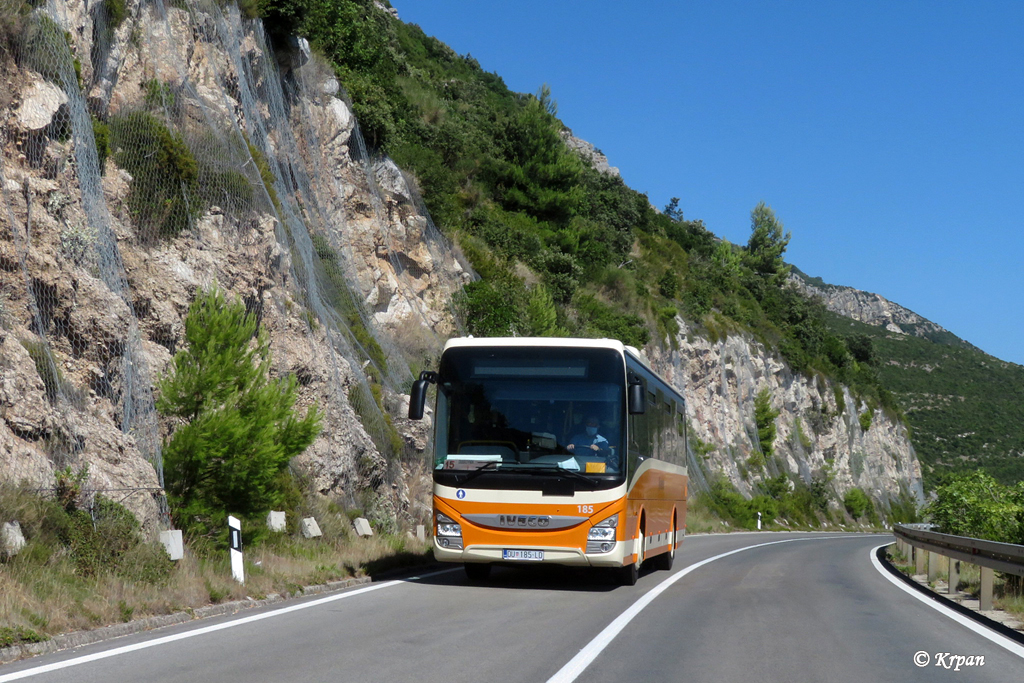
(519, 479)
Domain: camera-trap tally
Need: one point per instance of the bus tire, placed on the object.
(629, 574)
(477, 571)
(665, 560)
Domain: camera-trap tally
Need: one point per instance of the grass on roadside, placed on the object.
(45, 589)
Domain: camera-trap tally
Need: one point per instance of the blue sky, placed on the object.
(887, 136)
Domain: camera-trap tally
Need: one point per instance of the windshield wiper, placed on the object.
(552, 469)
(480, 470)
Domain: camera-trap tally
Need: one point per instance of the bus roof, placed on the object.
(565, 343)
(560, 342)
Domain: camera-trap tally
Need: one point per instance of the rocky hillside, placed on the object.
(874, 309)
(157, 149)
(283, 208)
(821, 433)
(965, 407)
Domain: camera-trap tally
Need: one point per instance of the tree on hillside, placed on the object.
(858, 504)
(767, 244)
(764, 418)
(237, 428)
(976, 505)
(546, 101)
(673, 211)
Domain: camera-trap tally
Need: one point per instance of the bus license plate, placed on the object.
(507, 554)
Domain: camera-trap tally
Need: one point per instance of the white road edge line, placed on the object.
(571, 671)
(47, 668)
(983, 631)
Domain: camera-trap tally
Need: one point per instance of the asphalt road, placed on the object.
(759, 607)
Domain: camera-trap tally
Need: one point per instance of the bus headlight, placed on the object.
(601, 537)
(446, 526)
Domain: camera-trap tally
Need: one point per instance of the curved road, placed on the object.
(776, 607)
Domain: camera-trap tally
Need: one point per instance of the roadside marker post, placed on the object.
(235, 541)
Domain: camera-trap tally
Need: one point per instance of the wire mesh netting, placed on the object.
(160, 149)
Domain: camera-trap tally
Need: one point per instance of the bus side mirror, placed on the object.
(418, 396)
(637, 398)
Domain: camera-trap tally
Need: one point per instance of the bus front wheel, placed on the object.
(631, 572)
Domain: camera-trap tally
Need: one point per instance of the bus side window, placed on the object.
(652, 425)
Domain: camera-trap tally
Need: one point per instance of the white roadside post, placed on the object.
(758, 521)
(235, 539)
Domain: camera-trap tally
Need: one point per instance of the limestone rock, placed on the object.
(870, 308)
(390, 179)
(721, 380)
(11, 538)
(590, 154)
(41, 101)
(362, 527)
(23, 402)
(309, 527)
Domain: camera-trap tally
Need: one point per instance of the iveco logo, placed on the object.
(524, 520)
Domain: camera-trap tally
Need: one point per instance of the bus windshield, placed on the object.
(513, 409)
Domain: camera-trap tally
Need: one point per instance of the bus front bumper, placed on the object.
(573, 557)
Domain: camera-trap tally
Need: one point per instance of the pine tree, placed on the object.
(767, 244)
(541, 314)
(238, 429)
(764, 418)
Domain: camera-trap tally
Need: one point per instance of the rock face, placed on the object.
(592, 155)
(40, 104)
(332, 251)
(872, 309)
(819, 430)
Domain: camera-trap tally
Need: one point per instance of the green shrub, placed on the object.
(669, 285)
(117, 11)
(101, 135)
(541, 314)
(12, 636)
(976, 505)
(903, 510)
(858, 504)
(494, 308)
(54, 382)
(730, 506)
(764, 417)
(237, 428)
(598, 319)
(337, 293)
(165, 174)
(840, 397)
(158, 95)
(48, 50)
(105, 540)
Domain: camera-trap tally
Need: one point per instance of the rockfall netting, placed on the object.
(156, 148)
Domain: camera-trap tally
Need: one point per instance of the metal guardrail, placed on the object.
(925, 547)
(1002, 557)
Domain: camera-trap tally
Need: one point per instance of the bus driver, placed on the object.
(589, 439)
